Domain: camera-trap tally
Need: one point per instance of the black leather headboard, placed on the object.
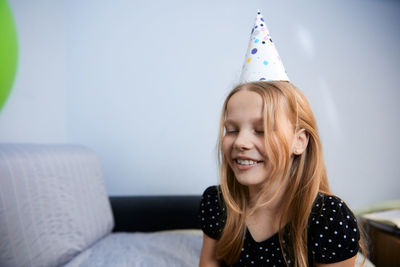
(154, 213)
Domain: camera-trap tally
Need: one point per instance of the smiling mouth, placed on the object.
(247, 162)
(242, 164)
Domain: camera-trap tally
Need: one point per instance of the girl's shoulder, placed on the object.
(212, 213)
(325, 203)
(333, 231)
(211, 191)
(331, 208)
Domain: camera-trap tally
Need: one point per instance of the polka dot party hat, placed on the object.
(262, 62)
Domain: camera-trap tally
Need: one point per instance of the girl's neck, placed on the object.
(275, 205)
(264, 221)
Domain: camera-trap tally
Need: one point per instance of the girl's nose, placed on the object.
(243, 142)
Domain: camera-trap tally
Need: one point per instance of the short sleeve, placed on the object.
(333, 231)
(212, 212)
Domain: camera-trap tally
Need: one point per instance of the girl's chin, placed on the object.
(249, 181)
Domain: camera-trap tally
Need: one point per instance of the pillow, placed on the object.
(53, 203)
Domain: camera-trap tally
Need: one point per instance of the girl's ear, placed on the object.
(300, 142)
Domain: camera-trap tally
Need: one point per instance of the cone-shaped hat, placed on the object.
(262, 62)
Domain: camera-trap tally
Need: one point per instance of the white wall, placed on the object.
(142, 84)
(36, 108)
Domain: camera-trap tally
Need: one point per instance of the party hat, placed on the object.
(262, 62)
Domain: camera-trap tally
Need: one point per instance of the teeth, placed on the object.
(246, 162)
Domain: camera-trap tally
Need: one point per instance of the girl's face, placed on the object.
(243, 144)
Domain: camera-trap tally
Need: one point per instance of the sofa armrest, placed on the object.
(154, 213)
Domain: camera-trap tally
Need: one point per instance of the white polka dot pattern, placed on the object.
(332, 236)
(336, 230)
(212, 213)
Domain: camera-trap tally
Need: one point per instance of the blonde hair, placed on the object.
(306, 172)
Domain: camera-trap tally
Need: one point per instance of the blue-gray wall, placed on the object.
(142, 84)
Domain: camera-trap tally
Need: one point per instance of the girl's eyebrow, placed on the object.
(254, 121)
(258, 121)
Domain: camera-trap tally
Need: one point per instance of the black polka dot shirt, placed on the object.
(333, 234)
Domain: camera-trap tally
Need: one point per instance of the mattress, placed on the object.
(166, 248)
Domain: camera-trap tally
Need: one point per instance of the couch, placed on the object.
(55, 211)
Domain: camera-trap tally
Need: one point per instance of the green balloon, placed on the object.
(8, 51)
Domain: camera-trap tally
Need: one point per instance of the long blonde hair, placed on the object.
(306, 172)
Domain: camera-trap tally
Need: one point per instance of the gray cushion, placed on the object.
(53, 204)
(160, 249)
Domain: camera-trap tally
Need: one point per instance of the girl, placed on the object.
(274, 206)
